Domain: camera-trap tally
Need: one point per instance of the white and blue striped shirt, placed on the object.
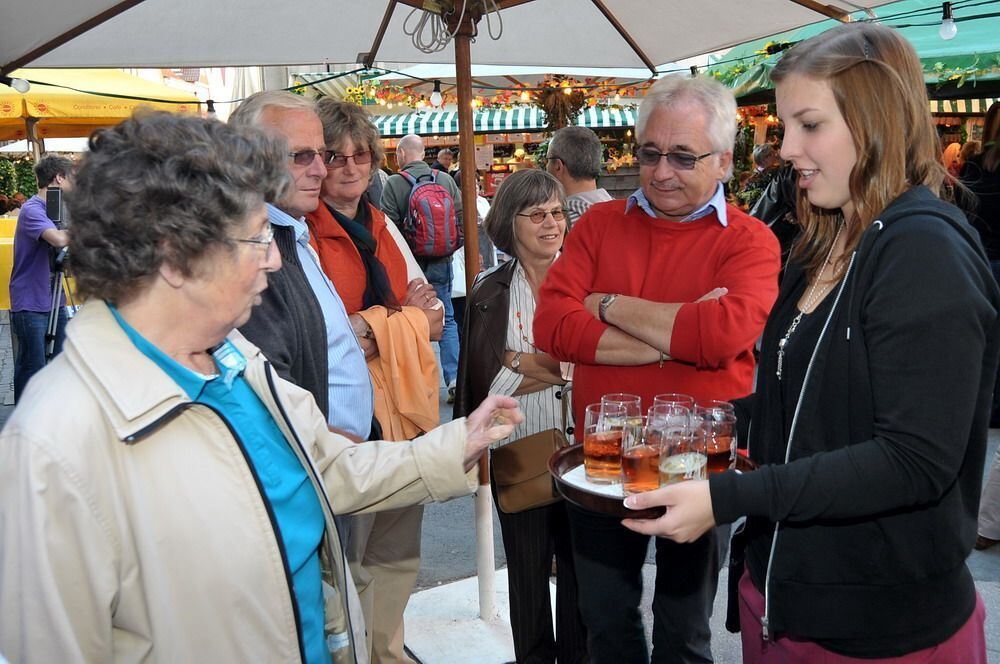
(349, 387)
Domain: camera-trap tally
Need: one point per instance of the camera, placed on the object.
(54, 205)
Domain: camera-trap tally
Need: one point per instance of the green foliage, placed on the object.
(26, 182)
(962, 74)
(743, 150)
(540, 151)
(8, 178)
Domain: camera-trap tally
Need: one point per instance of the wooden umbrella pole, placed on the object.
(485, 559)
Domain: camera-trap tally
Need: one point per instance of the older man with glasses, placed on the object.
(664, 292)
(301, 323)
(574, 157)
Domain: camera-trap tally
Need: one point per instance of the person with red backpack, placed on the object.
(426, 205)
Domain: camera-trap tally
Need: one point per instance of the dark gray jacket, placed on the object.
(288, 324)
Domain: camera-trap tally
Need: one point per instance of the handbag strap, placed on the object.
(564, 399)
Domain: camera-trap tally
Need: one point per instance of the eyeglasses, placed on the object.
(265, 239)
(544, 161)
(335, 160)
(538, 216)
(306, 157)
(685, 161)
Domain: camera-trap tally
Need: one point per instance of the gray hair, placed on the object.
(343, 119)
(446, 151)
(411, 143)
(713, 97)
(762, 154)
(162, 189)
(248, 113)
(51, 165)
(580, 150)
(521, 190)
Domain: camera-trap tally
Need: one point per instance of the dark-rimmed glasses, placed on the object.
(340, 160)
(543, 162)
(685, 161)
(538, 216)
(306, 157)
(265, 239)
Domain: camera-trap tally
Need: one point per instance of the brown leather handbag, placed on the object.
(521, 468)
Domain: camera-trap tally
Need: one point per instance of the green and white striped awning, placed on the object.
(962, 105)
(523, 118)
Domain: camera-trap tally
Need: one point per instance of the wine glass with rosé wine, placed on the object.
(640, 457)
(631, 402)
(719, 424)
(674, 399)
(604, 427)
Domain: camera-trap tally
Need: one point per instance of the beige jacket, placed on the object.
(133, 528)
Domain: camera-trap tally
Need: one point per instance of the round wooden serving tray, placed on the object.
(597, 500)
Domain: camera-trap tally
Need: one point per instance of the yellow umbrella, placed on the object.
(58, 112)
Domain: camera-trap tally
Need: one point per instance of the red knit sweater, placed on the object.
(609, 251)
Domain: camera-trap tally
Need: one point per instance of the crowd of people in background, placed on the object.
(253, 388)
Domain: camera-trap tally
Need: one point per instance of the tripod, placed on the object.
(58, 279)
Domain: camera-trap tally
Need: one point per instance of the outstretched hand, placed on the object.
(689, 511)
(494, 420)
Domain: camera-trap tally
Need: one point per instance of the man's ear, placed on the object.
(725, 161)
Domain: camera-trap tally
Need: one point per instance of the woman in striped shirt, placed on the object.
(527, 221)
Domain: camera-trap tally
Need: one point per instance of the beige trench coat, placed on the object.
(132, 528)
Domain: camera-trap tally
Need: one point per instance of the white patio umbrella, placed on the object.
(51, 145)
(574, 33)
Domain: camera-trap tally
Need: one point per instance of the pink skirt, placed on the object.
(967, 645)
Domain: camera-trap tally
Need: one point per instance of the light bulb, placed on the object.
(436, 99)
(525, 97)
(948, 29)
(18, 84)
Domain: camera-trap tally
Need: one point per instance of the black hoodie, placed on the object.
(878, 496)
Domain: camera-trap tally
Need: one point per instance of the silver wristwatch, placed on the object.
(606, 301)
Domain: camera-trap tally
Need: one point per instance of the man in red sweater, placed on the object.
(664, 292)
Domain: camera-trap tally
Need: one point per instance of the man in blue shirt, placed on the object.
(301, 324)
(31, 277)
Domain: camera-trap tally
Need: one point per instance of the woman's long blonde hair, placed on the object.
(878, 83)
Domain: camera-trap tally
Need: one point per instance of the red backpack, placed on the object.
(430, 226)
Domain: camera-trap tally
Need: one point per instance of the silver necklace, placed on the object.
(811, 299)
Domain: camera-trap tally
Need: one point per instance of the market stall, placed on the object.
(77, 101)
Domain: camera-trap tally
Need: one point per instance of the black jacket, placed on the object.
(982, 202)
(878, 500)
(288, 324)
(487, 312)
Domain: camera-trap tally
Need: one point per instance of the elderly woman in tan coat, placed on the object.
(164, 495)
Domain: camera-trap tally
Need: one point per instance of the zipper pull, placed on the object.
(765, 632)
